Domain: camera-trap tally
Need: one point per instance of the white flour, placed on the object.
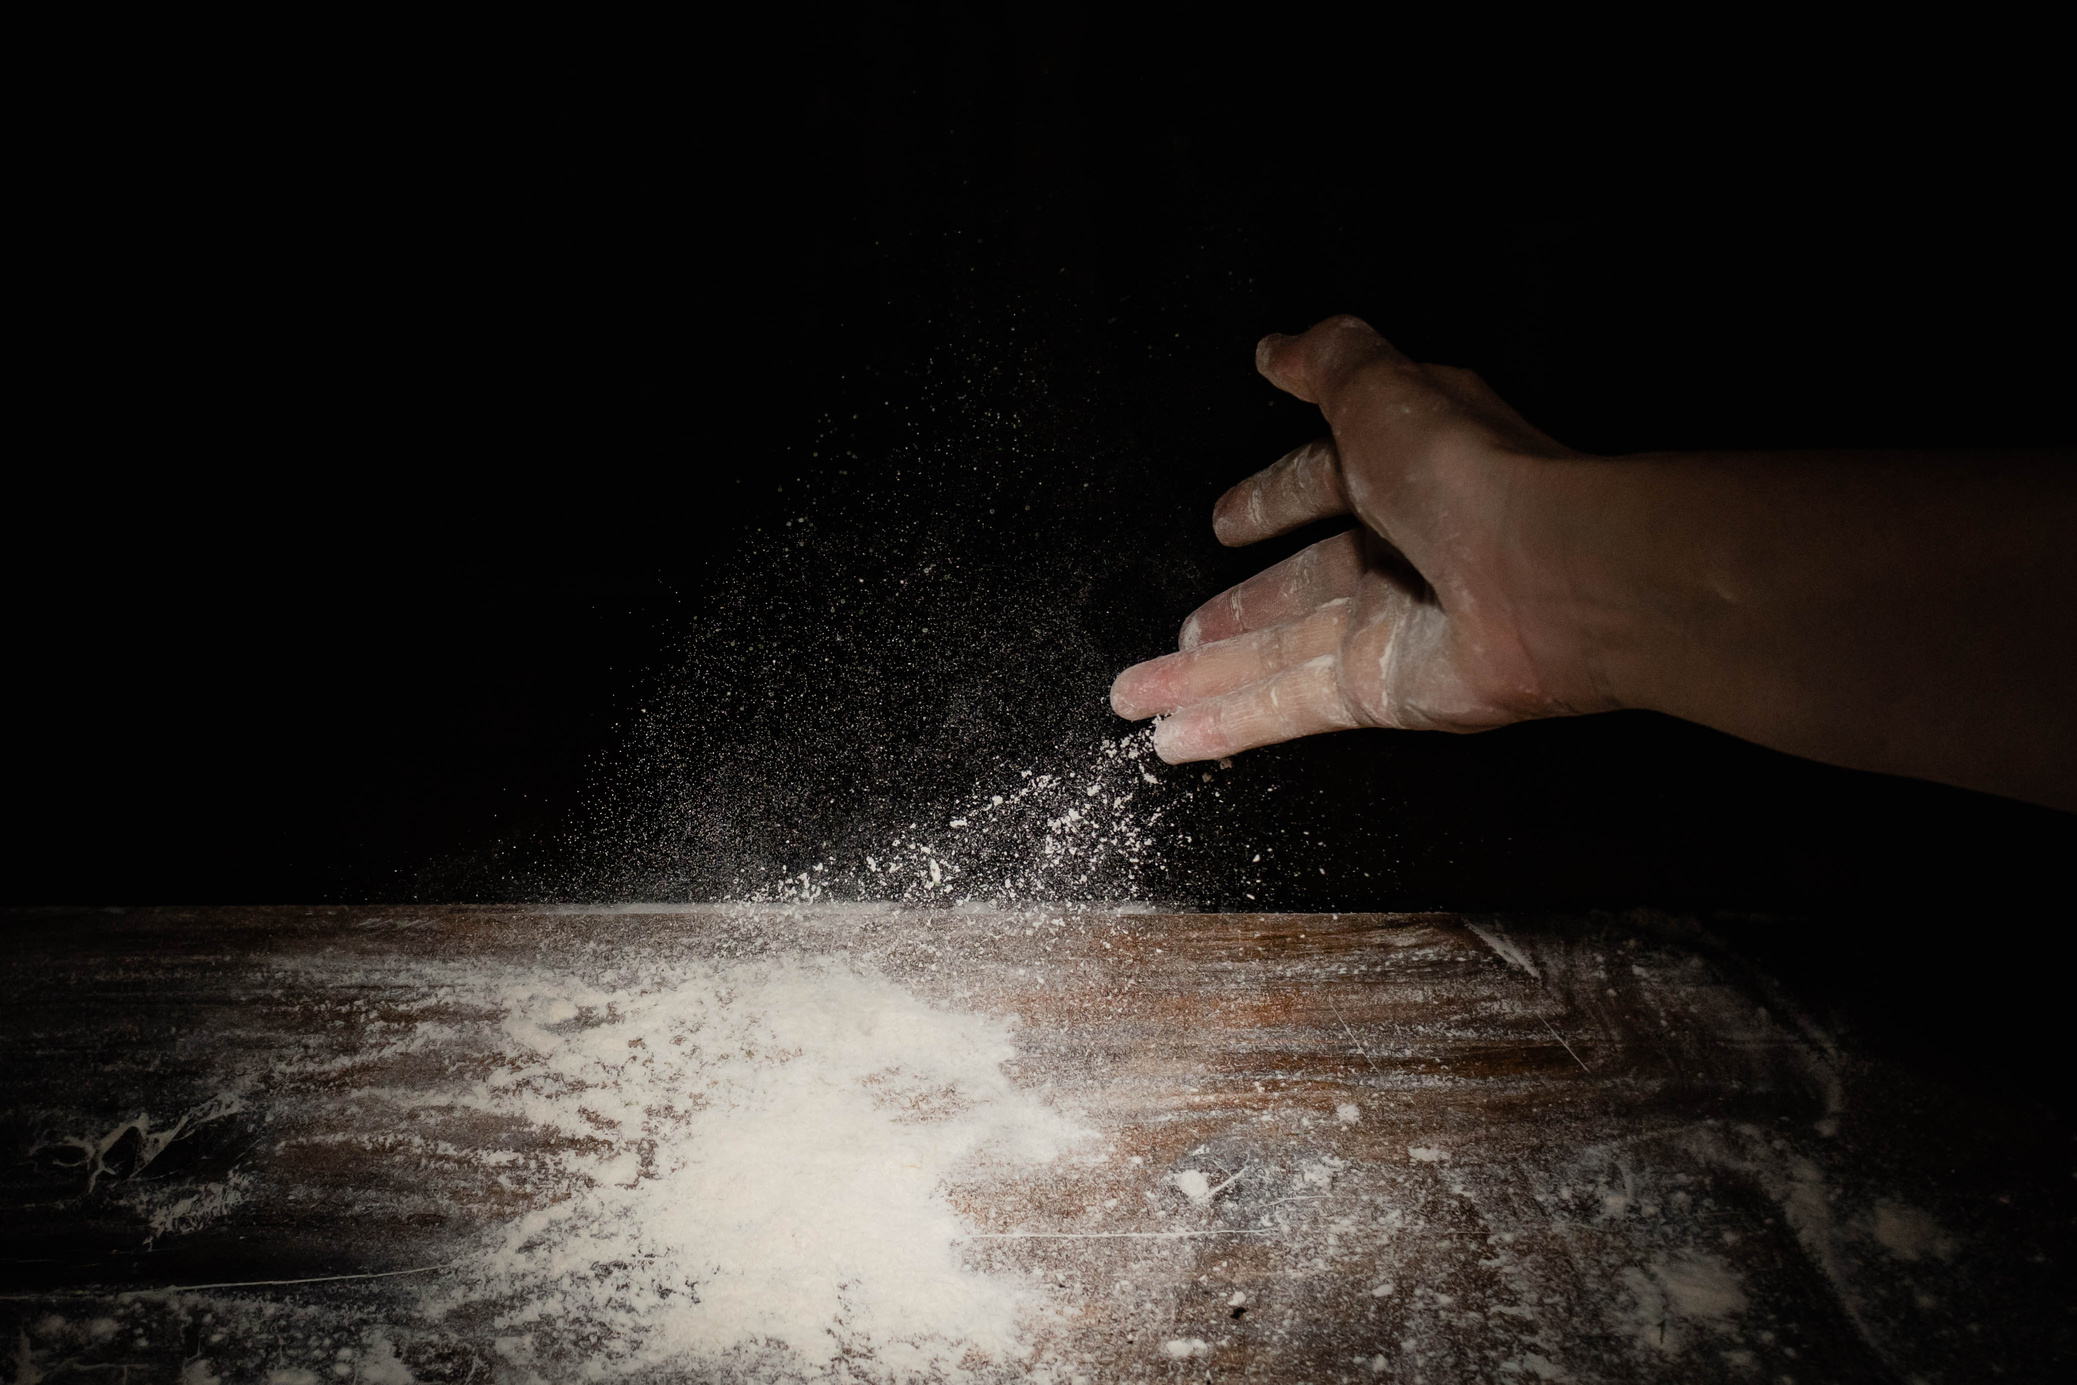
(752, 1159)
(1675, 1299)
(1075, 834)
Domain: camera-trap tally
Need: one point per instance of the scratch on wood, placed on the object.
(1568, 1048)
(1504, 947)
(241, 1283)
(1352, 1036)
(1113, 1235)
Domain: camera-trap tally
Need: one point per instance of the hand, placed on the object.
(1906, 612)
(1443, 609)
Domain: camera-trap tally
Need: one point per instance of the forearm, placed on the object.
(1911, 614)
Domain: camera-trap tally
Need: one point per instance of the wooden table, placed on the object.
(255, 1144)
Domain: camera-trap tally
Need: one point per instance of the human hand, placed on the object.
(1445, 608)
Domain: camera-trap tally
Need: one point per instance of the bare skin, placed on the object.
(1912, 613)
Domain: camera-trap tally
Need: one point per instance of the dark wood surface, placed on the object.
(1435, 1148)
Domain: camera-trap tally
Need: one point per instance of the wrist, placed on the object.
(1577, 614)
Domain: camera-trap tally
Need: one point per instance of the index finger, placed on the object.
(1318, 361)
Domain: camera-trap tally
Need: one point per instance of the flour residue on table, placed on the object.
(748, 1160)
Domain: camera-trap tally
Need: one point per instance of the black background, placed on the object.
(413, 439)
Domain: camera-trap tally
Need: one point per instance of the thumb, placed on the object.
(1315, 363)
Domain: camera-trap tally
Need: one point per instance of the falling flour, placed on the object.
(750, 1168)
(1081, 831)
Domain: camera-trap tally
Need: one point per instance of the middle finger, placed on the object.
(1276, 595)
(1213, 670)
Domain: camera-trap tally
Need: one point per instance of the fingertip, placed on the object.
(1121, 701)
(1230, 517)
(1128, 696)
(1165, 739)
(1193, 628)
(1175, 744)
(1265, 352)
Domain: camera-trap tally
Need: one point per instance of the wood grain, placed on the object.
(1445, 1148)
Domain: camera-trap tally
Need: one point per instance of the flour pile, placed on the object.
(751, 1166)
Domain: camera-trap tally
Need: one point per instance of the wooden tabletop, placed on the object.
(304, 1144)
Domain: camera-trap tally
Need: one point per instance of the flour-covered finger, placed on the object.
(1300, 701)
(1213, 670)
(1289, 591)
(1301, 486)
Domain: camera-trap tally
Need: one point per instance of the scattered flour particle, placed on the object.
(1193, 1185)
(1348, 1113)
(1424, 1154)
(380, 1364)
(1529, 1363)
(1676, 1297)
(1908, 1233)
(1321, 1173)
(1383, 1290)
(1238, 1300)
(1183, 1348)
